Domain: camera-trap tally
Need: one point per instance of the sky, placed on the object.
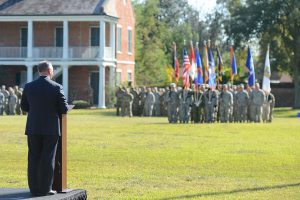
(204, 6)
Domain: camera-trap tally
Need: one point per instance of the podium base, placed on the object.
(21, 193)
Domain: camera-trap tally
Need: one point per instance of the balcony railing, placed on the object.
(13, 52)
(47, 52)
(84, 53)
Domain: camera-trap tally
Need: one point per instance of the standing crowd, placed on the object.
(10, 100)
(198, 104)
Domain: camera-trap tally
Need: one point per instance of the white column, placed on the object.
(29, 38)
(101, 99)
(102, 39)
(65, 79)
(113, 39)
(66, 40)
(29, 73)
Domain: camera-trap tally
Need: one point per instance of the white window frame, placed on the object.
(119, 51)
(129, 28)
(129, 71)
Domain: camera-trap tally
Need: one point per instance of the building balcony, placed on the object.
(74, 53)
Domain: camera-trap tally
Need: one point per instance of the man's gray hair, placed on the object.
(43, 66)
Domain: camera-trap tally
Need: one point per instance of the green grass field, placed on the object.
(147, 158)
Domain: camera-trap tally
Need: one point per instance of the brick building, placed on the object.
(90, 43)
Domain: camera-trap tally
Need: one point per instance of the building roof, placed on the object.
(52, 7)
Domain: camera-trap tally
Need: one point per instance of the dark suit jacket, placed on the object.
(44, 101)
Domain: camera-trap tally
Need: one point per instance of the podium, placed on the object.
(60, 173)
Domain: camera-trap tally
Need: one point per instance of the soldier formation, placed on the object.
(198, 104)
(10, 100)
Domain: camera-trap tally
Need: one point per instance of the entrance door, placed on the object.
(94, 82)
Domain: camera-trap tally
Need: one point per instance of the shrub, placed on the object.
(80, 104)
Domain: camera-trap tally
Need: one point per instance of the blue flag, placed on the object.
(199, 78)
(250, 67)
(212, 82)
(233, 65)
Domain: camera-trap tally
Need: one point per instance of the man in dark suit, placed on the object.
(44, 101)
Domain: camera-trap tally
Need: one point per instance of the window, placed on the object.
(24, 33)
(119, 39)
(130, 41)
(129, 76)
(59, 37)
(119, 78)
(94, 37)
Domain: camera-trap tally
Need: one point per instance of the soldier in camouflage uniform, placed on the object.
(250, 118)
(163, 107)
(226, 101)
(6, 95)
(242, 100)
(172, 99)
(185, 99)
(2, 98)
(127, 103)
(199, 105)
(119, 95)
(19, 95)
(136, 101)
(149, 103)
(258, 98)
(271, 99)
(156, 107)
(211, 105)
(143, 95)
(267, 106)
(12, 102)
(233, 109)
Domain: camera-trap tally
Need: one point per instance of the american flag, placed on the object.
(186, 69)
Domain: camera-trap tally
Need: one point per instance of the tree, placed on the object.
(150, 57)
(273, 21)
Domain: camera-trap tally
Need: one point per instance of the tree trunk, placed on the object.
(297, 73)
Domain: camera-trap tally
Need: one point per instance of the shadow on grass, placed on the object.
(234, 191)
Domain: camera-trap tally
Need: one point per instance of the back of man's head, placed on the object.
(43, 66)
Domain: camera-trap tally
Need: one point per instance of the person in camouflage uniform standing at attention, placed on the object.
(143, 95)
(226, 101)
(258, 98)
(163, 110)
(12, 101)
(6, 95)
(199, 105)
(242, 100)
(2, 98)
(267, 106)
(149, 103)
(233, 109)
(156, 107)
(250, 118)
(119, 95)
(172, 99)
(271, 99)
(127, 103)
(185, 99)
(19, 96)
(136, 101)
(211, 104)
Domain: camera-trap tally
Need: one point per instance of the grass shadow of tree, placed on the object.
(234, 191)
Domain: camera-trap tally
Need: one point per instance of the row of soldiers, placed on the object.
(10, 100)
(198, 104)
